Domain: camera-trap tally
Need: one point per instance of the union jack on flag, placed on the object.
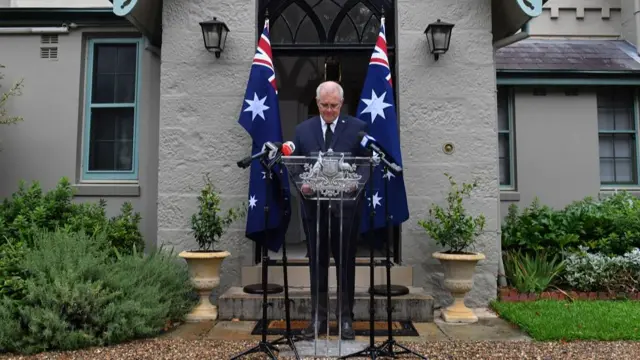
(260, 116)
(377, 107)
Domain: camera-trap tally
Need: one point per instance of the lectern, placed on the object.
(330, 185)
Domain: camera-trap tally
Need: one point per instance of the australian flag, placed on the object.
(260, 116)
(377, 107)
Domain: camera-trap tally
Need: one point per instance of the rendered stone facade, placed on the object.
(451, 100)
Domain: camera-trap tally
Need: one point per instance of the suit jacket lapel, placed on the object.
(317, 131)
(340, 126)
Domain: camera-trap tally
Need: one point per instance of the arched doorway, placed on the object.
(317, 40)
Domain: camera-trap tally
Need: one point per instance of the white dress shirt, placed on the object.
(324, 126)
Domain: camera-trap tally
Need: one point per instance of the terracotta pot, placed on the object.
(458, 279)
(204, 269)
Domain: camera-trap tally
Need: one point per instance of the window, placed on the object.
(111, 114)
(505, 138)
(617, 130)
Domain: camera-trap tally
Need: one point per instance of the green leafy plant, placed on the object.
(532, 273)
(452, 227)
(210, 222)
(14, 90)
(78, 295)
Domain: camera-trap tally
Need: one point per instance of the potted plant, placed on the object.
(456, 231)
(207, 225)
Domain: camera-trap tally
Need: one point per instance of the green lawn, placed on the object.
(579, 320)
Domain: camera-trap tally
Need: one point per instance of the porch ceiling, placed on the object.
(145, 15)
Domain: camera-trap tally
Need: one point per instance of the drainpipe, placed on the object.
(636, 15)
(64, 29)
(520, 35)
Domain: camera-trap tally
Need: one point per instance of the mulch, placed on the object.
(160, 349)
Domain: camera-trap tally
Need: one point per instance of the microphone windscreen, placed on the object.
(288, 148)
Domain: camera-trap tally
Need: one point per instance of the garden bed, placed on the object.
(507, 294)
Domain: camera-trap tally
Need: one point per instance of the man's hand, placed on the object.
(306, 189)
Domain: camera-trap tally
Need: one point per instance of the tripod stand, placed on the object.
(287, 338)
(388, 345)
(371, 350)
(264, 346)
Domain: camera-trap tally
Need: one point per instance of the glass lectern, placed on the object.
(330, 185)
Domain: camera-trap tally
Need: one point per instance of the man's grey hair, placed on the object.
(329, 86)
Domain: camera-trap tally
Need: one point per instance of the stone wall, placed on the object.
(449, 100)
(201, 98)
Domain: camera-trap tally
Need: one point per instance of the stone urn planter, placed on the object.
(204, 269)
(456, 231)
(208, 225)
(458, 280)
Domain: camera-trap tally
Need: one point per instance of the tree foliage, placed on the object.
(14, 90)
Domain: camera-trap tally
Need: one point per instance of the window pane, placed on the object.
(623, 119)
(505, 174)
(624, 171)
(125, 88)
(103, 88)
(503, 109)
(504, 145)
(127, 59)
(606, 146)
(111, 139)
(105, 57)
(327, 12)
(606, 171)
(605, 119)
(623, 146)
(307, 33)
(114, 73)
(280, 33)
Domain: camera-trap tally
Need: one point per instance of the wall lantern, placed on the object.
(438, 37)
(214, 33)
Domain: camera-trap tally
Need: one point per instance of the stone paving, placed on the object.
(489, 328)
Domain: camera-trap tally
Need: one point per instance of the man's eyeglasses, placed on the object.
(329, 106)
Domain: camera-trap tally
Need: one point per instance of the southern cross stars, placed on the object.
(375, 106)
(376, 200)
(253, 201)
(256, 106)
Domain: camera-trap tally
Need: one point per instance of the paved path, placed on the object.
(488, 328)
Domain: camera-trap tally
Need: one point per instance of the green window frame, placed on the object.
(618, 136)
(112, 97)
(506, 138)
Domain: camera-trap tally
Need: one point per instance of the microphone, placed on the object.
(269, 147)
(288, 148)
(369, 142)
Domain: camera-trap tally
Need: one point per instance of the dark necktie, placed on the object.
(328, 136)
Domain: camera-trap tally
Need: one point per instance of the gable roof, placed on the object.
(542, 55)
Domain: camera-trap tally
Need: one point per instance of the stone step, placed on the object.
(417, 305)
(298, 275)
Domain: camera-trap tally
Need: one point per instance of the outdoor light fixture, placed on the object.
(214, 33)
(438, 37)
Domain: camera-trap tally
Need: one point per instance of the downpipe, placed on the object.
(520, 35)
(636, 15)
(64, 29)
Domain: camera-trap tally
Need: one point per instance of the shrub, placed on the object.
(610, 226)
(77, 295)
(598, 272)
(531, 273)
(451, 227)
(30, 210)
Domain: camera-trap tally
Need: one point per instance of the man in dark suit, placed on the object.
(338, 132)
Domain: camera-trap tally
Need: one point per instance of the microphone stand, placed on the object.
(264, 346)
(388, 345)
(287, 338)
(370, 351)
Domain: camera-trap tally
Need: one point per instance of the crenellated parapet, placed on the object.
(578, 8)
